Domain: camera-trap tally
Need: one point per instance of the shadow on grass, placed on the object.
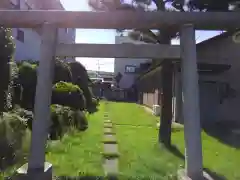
(175, 151)
(227, 133)
(214, 175)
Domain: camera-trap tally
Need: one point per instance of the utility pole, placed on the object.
(98, 68)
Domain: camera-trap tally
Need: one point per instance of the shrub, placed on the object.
(62, 71)
(12, 131)
(25, 114)
(57, 124)
(27, 79)
(7, 48)
(93, 106)
(80, 120)
(66, 87)
(11, 95)
(63, 117)
(68, 94)
(80, 77)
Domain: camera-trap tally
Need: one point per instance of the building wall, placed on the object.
(219, 51)
(224, 51)
(120, 64)
(67, 36)
(30, 48)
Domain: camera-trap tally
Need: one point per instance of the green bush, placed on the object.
(25, 114)
(7, 48)
(57, 122)
(68, 94)
(80, 120)
(12, 131)
(27, 79)
(12, 96)
(63, 117)
(66, 87)
(93, 106)
(62, 71)
(80, 77)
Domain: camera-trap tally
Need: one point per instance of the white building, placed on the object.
(127, 67)
(28, 40)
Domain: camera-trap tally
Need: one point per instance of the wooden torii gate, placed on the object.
(187, 22)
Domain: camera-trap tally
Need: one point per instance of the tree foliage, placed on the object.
(7, 47)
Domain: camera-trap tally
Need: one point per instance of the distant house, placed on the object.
(128, 67)
(219, 87)
(101, 75)
(28, 41)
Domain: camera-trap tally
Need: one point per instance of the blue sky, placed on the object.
(106, 37)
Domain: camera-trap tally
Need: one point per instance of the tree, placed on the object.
(162, 36)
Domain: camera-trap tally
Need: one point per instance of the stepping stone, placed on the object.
(110, 166)
(110, 139)
(108, 131)
(110, 148)
(108, 125)
(107, 121)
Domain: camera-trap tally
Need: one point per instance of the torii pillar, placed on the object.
(190, 103)
(37, 168)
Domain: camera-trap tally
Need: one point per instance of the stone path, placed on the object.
(110, 148)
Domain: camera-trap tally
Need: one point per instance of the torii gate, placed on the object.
(187, 22)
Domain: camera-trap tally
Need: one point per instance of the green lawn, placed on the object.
(141, 156)
(79, 153)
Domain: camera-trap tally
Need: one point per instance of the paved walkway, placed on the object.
(110, 147)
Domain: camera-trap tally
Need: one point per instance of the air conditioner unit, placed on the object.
(156, 110)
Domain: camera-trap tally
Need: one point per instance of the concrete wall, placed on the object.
(120, 63)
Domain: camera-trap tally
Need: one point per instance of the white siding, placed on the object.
(30, 48)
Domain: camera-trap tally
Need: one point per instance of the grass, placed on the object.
(220, 160)
(142, 157)
(79, 153)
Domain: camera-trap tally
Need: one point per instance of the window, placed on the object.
(20, 35)
(130, 69)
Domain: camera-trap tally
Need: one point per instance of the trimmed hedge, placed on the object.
(62, 71)
(27, 79)
(80, 77)
(68, 94)
(62, 118)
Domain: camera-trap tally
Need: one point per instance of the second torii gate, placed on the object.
(49, 21)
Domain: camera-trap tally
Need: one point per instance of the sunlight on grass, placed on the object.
(219, 158)
(141, 156)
